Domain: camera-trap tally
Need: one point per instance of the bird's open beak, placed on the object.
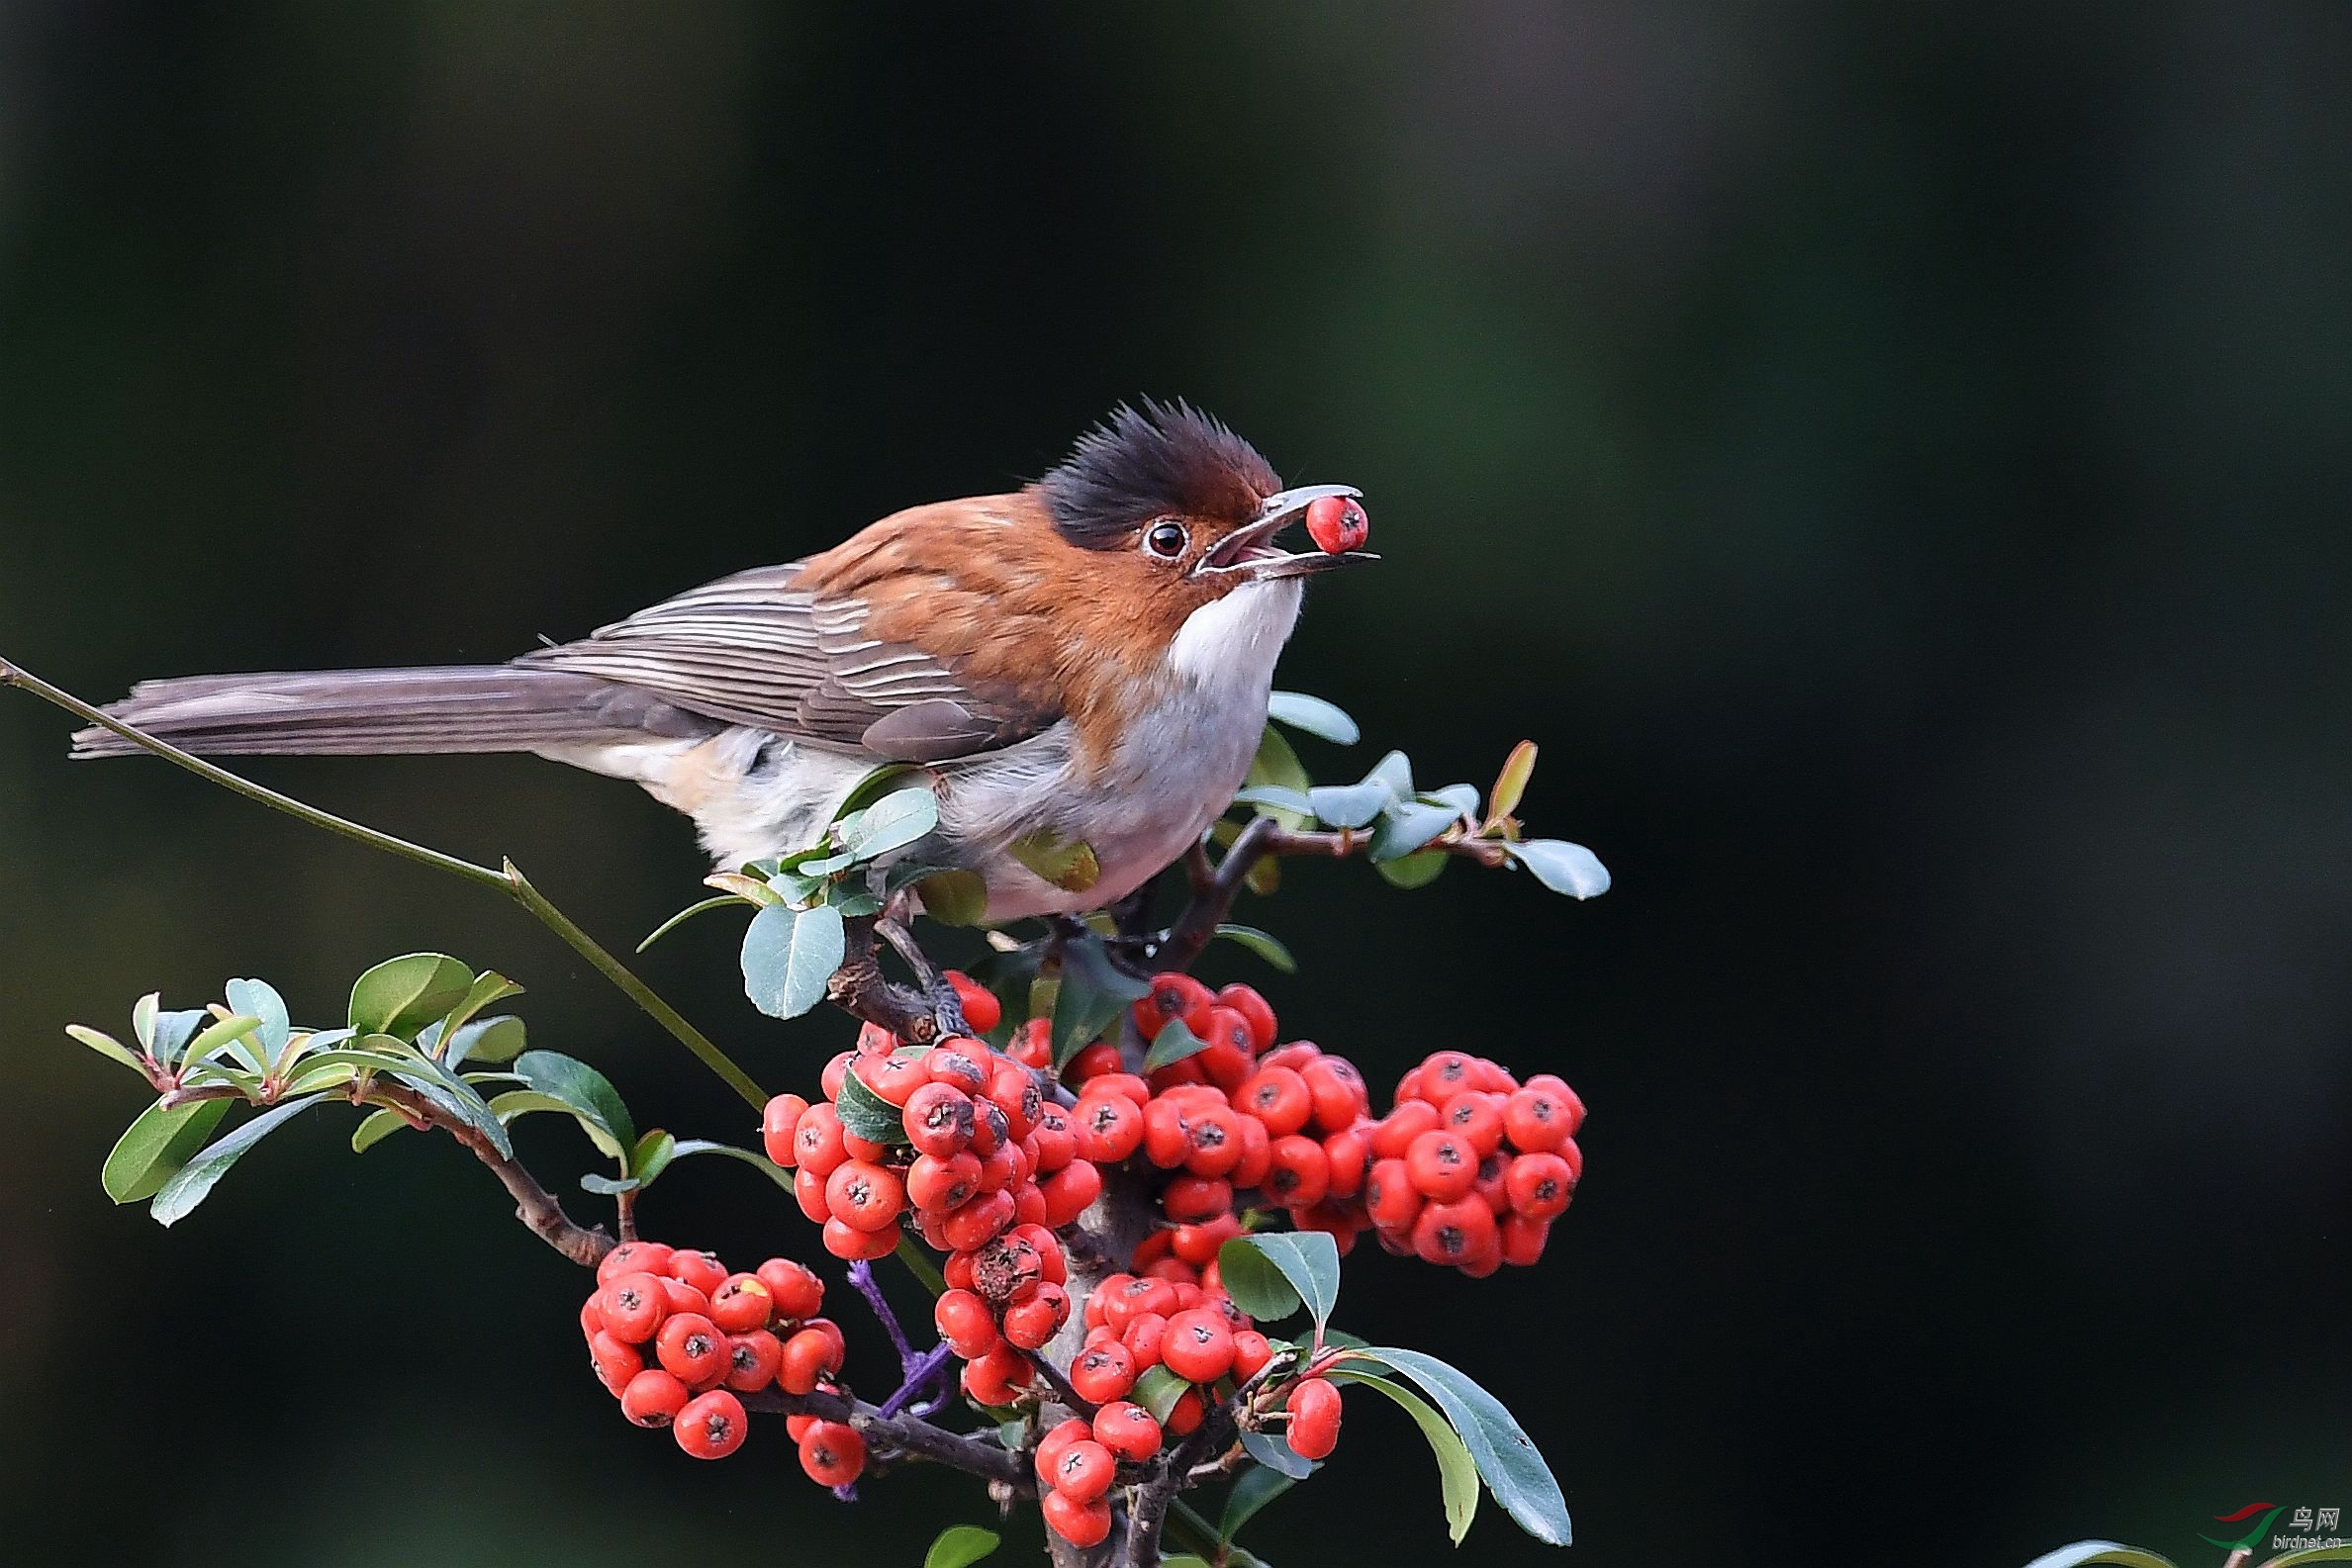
(1250, 550)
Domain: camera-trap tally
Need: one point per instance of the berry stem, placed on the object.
(861, 1275)
(922, 1374)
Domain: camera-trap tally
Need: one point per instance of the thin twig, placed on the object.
(534, 1205)
(509, 881)
(861, 1278)
(905, 1434)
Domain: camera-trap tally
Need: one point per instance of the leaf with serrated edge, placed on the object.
(1264, 943)
(961, 1545)
(788, 957)
(1457, 1472)
(1172, 1045)
(1513, 1470)
(195, 1180)
(1321, 720)
(156, 1144)
(1562, 867)
(1257, 1487)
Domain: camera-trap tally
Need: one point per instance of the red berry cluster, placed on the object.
(1468, 1168)
(675, 1338)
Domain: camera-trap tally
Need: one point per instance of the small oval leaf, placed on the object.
(1172, 1045)
(156, 1144)
(1562, 867)
(788, 957)
(402, 995)
(960, 1547)
(1264, 943)
(1321, 720)
(1511, 783)
(193, 1182)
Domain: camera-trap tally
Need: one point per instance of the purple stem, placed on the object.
(847, 1491)
(920, 1375)
(861, 1275)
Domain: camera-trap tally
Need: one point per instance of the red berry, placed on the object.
(851, 1245)
(1070, 1191)
(817, 1140)
(1080, 1524)
(1445, 1073)
(693, 1350)
(808, 1191)
(970, 1228)
(1008, 1267)
(1390, 1196)
(1300, 1172)
(1555, 1086)
(1338, 524)
(1107, 1128)
(1338, 1091)
(613, 1362)
(1522, 1238)
(698, 1270)
(653, 1398)
(935, 1186)
(711, 1426)
(1100, 1060)
(965, 1322)
(1442, 1167)
(1102, 1372)
(633, 1307)
(1277, 1096)
(1057, 1146)
(1538, 1121)
(938, 1118)
(1056, 1444)
(1245, 1000)
(1197, 1244)
(633, 1258)
(741, 1303)
(1127, 1429)
(1174, 996)
(873, 1041)
(793, 1288)
(1540, 1186)
(1184, 1418)
(1030, 1324)
(1032, 1044)
(865, 1196)
(683, 1296)
(997, 1378)
(1250, 1352)
(1197, 1345)
(1314, 1428)
(778, 1123)
(1395, 1132)
(960, 1065)
(753, 1360)
(1084, 1470)
(1192, 1200)
(808, 1355)
(592, 1321)
(981, 1010)
(1456, 1232)
(1348, 1156)
(832, 1453)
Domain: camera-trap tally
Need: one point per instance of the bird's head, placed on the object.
(1177, 514)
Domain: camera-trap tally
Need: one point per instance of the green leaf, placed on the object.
(2085, 1552)
(954, 897)
(881, 782)
(374, 1128)
(1396, 772)
(720, 901)
(1353, 806)
(195, 1180)
(515, 1103)
(1562, 867)
(759, 1163)
(1406, 827)
(493, 1040)
(108, 1046)
(1158, 1390)
(1457, 1472)
(867, 1115)
(1093, 992)
(1068, 864)
(1264, 943)
(1321, 720)
(609, 1186)
(1276, 1455)
(1414, 870)
(1511, 783)
(1276, 765)
(1184, 1559)
(172, 1031)
(1291, 800)
(402, 995)
(143, 1014)
(1172, 1045)
(310, 1078)
(1257, 1487)
(1271, 1276)
(257, 999)
(652, 1157)
(224, 1033)
(1462, 799)
(788, 957)
(1507, 1457)
(488, 988)
(891, 823)
(156, 1144)
(583, 1091)
(960, 1547)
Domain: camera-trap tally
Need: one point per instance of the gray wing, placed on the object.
(752, 649)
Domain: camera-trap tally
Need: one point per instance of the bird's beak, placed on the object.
(1250, 552)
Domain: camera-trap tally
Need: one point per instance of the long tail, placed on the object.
(495, 707)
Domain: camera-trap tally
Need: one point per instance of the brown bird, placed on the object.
(1088, 658)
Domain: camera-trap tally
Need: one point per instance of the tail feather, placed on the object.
(375, 713)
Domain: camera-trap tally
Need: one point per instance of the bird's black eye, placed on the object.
(1165, 539)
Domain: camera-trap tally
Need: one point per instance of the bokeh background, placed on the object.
(1894, 458)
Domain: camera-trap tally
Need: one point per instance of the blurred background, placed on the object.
(1893, 459)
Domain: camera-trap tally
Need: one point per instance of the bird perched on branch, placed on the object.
(1085, 660)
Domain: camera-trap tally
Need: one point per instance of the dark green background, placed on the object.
(1893, 458)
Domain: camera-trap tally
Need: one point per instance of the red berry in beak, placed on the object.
(1337, 524)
